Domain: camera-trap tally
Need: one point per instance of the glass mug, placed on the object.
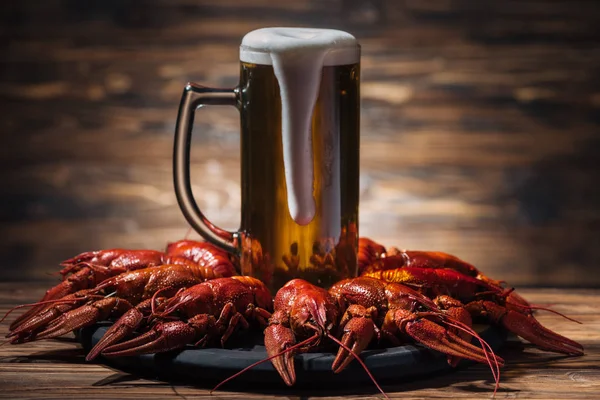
(298, 98)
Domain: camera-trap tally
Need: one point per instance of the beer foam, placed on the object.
(258, 46)
(298, 56)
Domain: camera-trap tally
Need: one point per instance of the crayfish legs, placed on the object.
(456, 311)
(209, 311)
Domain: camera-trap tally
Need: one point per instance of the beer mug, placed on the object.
(298, 98)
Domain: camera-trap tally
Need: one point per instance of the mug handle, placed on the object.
(195, 96)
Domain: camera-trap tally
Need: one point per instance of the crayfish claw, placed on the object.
(81, 317)
(455, 310)
(165, 337)
(439, 338)
(72, 284)
(358, 333)
(48, 316)
(35, 322)
(117, 332)
(527, 327)
(279, 342)
(162, 337)
(530, 329)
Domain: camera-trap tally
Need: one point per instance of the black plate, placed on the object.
(215, 364)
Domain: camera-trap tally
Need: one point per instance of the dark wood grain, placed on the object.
(56, 369)
(480, 126)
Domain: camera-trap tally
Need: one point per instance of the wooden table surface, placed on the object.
(56, 369)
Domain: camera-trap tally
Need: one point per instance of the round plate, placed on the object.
(215, 364)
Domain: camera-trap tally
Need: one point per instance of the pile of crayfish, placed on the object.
(191, 294)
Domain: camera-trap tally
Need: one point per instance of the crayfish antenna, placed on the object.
(291, 348)
(514, 299)
(534, 307)
(361, 362)
(495, 365)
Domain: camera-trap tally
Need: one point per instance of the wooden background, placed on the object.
(480, 126)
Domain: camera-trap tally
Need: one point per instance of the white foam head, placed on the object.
(341, 47)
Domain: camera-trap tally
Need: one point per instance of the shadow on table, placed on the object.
(72, 355)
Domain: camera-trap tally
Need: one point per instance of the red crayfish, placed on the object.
(191, 294)
(113, 281)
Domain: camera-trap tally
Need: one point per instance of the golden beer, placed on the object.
(294, 250)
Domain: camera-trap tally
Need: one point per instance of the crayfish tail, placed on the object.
(530, 329)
